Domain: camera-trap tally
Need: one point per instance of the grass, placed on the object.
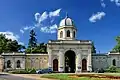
(67, 77)
(113, 74)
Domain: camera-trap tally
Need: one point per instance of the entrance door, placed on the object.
(84, 65)
(70, 61)
(55, 65)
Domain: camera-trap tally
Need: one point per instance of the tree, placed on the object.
(8, 45)
(33, 46)
(40, 48)
(93, 49)
(32, 41)
(117, 47)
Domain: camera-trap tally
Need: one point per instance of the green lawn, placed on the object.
(67, 77)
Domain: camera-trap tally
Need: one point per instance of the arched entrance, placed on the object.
(70, 61)
(84, 65)
(55, 65)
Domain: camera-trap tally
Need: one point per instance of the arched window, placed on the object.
(8, 64)
(74, 34)
(68, 33)
(114, 62)
(61, 34)
(18, 63)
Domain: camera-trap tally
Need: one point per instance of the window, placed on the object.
(114, 62)
(61, 34)
(68, 33)
(8, 64)
(18, 63)
(74, 34)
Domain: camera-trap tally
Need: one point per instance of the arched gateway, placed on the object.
(70, 61)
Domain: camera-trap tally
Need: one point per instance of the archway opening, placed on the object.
(70, 61)
(55, 65)
(84, 65)
(114, 62)
(8, 64)
(18, 64)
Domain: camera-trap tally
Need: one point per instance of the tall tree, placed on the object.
(32, 41)
(117, 47)
(93, 49)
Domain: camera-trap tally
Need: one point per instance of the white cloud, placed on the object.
(43, 17)
(47, 17)
(10, 35)
(37, 16)
(54, 13)
(27, 27)
(117, 2)
(97, 16)
(22, 31)
(21, 43)
(44, 22)
(103, 4)
(49, 29)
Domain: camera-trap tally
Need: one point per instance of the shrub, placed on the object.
(32, 71)
(111, 69)
(19, 72)
(26, 71)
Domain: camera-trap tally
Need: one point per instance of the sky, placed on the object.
(96, 20)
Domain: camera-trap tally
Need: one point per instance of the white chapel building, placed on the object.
(67, 54)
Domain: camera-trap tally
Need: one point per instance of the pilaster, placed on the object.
(61, 61)
(78, 62)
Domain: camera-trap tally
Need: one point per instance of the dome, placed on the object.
(66, 22)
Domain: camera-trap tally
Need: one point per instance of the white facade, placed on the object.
(67, 42)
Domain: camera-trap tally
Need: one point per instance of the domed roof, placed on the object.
(66, 22)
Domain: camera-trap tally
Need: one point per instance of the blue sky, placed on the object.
(96, 20)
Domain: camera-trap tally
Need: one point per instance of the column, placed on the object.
(13, 63)
(50, 59)
(78, 62)
(89, 61)
(23, 63)
(61, 61)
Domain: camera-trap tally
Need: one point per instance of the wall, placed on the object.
(1, 63)
(14, 59)
(99, 61)
(37, 61)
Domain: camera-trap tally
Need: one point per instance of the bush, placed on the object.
(19, 72)
(32, 71)
(26, 71)
(111, 69)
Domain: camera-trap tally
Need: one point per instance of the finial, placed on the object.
(66, 15)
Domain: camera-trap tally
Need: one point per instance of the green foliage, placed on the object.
(111, 69)
(26, 71)
(32, 71)
(8, 45)
(117, 47)
(67, 77)
(32, 41)
(93, 49)
(19, 72)
(33, 46)
(38, 49)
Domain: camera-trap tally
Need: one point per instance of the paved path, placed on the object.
(7, 76)
(12, 77)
